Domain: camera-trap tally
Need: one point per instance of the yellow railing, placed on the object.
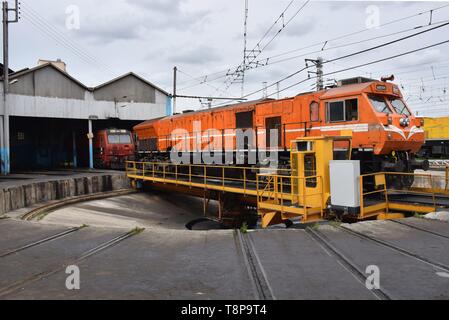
(244, 178)
(446, 184)
(284, 191)
(389, 184)
(364, 210)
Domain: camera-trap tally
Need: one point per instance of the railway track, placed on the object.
(49, 207)
(6, 290)
(324, 243)
(420, 229)
(256, 272)
(398, 249)
(41, 241)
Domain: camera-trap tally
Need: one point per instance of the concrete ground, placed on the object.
(166, 261)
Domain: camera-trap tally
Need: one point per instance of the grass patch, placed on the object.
(335, 223)
(244, 227)
(315, 226)
(136, 231)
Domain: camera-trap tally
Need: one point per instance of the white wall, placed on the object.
(46, 107)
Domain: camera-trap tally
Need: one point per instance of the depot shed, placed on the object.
(47, 114)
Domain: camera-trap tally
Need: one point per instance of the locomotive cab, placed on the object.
(112, 148)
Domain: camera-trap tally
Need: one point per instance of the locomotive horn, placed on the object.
(387, 78)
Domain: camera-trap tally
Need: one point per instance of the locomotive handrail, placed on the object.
(274, 191)
(174, 172)
(429, 188)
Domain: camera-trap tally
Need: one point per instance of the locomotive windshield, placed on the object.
(116, 138)
(379, 103)
(399, 106)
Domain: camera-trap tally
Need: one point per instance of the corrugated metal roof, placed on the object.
(133, 75)
(22, 72)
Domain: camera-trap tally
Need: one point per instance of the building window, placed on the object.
(339, 111)
(314, 111)
(20, 136)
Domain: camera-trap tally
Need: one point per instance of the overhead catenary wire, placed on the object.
(327, 41)
(39, 22)
(366, 64)
(253, 54)
(212, 79)
(351, 55)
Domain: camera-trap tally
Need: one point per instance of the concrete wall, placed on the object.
(16, 197)
(133, 88)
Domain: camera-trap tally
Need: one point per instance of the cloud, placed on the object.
(201, 54)
(433, 55)
(168, 6)
(136, 20)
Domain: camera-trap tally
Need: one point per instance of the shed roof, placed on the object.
(133, 75)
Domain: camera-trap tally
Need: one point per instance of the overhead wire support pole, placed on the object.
(245, 32)
(175, 72)
(319, 72)
(5, 163)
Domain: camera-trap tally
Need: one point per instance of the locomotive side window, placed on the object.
(314, 111)
(351, 110)
(338, 111)
(379, 103)
(244, 120)
(335, 111)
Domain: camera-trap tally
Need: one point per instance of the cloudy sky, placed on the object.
(204, 39)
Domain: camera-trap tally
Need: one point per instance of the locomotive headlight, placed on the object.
(404, 122)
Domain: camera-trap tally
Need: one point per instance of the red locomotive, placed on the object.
(112, 148)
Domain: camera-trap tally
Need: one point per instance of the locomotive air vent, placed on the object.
(355, 80)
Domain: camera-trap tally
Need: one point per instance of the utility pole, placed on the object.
(175, 71)
(245, 57)
(265, 90)
(319, 72)
(5, 164)
(278, 90)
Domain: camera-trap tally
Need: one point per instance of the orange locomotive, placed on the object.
(385, 133)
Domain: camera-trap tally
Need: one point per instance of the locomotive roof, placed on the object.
(241, 104)
(349, 89)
